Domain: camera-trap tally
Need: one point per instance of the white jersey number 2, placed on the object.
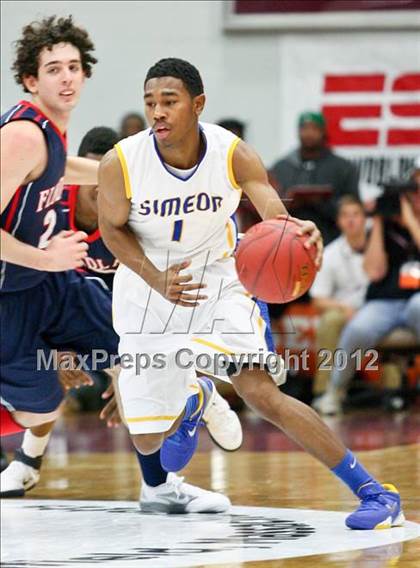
(50, 220)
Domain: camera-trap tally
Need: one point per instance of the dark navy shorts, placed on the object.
(65, 312)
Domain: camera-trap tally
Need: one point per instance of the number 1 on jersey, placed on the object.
(177, 232)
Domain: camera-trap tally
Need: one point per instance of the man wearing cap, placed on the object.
(314, 164)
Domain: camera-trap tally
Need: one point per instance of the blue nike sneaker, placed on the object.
(377, 510)
(178, 449)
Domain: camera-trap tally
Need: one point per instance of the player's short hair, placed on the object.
(348, 200)
(47, 33)
(98, 140)
(181, 69)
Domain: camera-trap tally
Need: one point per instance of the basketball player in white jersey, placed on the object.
(166, 199)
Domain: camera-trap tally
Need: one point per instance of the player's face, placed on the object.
(311, 136)
(170, 110)
(60, 78)
(351, 220)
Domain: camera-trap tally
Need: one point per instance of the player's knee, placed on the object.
(31, 419)
(147, 444)
(249, 389)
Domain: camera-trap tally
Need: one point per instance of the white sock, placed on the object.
(34, 446)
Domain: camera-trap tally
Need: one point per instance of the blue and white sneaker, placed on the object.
(377, 510)
(178, 449)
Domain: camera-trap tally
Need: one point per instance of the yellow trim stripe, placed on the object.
(212, 345)
(231, 174)
(124, 167)
(151, 418)
(200, 402)
(231, 242)
(261, 322)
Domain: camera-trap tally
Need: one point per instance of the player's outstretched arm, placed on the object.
(114, 209)
(23, 159)
(81, 171)
(251, 176)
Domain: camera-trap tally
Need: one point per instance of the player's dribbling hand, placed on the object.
(66, 251)
(315, 238)
(110, 412)
(72, 377)
(175, 286)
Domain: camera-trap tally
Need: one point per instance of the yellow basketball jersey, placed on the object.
(176, 219)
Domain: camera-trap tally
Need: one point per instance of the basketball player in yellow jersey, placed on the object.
(165, 201)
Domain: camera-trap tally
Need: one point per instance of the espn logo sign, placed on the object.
(394, 101)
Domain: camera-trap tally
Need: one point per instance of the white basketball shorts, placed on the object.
(163, 345)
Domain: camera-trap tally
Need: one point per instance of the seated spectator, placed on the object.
(392, 263)
(314, 164)
(340, 286)
(131, 123)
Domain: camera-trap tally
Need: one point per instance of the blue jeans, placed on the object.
(371, 323)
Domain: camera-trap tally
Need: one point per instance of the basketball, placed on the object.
(272, 262)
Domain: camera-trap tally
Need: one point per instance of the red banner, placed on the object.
(302, 6)
(348, 84)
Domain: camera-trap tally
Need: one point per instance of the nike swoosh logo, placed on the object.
(353, 464)
(174, 497)
(191, 433)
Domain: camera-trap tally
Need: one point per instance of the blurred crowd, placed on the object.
(368, 289)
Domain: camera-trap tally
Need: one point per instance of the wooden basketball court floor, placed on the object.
(88, 462)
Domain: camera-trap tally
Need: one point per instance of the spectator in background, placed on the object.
(340, 286)
(236, 126)
(131, 123)
(392, 263)
(314, 164)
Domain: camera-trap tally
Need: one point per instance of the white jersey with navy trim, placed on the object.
(177, 219)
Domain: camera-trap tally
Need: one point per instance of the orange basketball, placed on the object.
(272, 262)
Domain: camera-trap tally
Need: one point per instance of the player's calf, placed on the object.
(258, 391)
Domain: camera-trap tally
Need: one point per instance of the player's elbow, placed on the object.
(106, 227)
